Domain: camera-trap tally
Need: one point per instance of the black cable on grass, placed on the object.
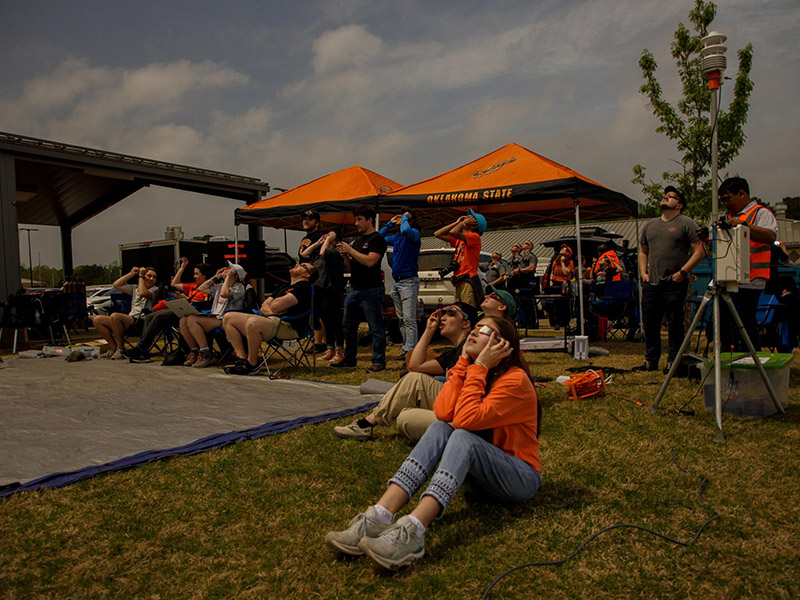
(558, 563)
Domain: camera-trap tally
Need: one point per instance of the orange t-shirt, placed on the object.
(509, 409)
(467, 253)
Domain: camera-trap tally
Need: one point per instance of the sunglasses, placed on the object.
(494, 296)
(453, 311)
(486, 330)
(305, 267)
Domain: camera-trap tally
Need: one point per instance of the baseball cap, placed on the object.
(676, 191)
(480, 219)
(240, 272)
(467, 311)
(311, 214)
(508, 300)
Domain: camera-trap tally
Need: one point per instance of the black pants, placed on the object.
(746, 303)
(659, 300)
(331, 312)
(155, 323)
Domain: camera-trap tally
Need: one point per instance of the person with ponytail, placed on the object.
(486, 437)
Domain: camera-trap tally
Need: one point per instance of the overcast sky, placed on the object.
(290, 91)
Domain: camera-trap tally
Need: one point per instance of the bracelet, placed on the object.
(477, 362)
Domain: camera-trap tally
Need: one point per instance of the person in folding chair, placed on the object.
(227, 290)
(274, 320)
(161, 320)
(113, 327)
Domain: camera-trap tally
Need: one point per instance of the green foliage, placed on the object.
(47, 276)
(98, 274)
(792, 207)
(688, 124)
(203, 238)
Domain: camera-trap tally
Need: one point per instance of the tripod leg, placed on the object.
(687, 339)
(746, 338)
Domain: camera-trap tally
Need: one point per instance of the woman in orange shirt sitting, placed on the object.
(486, 437)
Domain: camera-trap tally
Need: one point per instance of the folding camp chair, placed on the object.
(296, 351)
(618, 306)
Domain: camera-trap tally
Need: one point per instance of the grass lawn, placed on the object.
(248, 521)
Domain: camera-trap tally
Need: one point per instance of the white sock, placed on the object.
(204, 349)
(382, 515)
(418, 523)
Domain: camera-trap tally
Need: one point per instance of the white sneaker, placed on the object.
(363, 526)
(397, 546)
(117, 355)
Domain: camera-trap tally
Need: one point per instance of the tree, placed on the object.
(792, 207)
(689, 124)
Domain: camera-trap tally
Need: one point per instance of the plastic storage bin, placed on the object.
(744, 393)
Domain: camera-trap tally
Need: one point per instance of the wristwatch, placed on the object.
(684, 274)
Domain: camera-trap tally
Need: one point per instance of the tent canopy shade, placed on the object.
(334, 196)
(510, 186)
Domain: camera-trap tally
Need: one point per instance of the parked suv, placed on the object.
(432, 288)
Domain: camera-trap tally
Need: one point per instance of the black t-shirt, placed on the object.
(300, 290)
(363, 277)
(310, 238)
(449, 358)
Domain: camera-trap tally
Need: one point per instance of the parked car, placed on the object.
(434, 289)
(98, 299)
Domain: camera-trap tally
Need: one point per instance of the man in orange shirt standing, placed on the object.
(465, 236)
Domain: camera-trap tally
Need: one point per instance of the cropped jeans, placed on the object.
(404, 297)
(463, 457)
(371, 302)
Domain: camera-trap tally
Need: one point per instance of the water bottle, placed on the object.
(439, 306)
(37, 317)
(420, 308)
(565, 287)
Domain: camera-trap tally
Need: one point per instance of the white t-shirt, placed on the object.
(139, 302)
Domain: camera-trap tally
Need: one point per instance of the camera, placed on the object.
(448, 269)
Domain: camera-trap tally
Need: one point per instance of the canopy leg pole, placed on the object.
(578, 262)
(640, 332)
(236, 244)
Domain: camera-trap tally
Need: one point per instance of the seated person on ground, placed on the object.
(227, 290)
(499, 303)
(485, 436)
(291, 301)
(160, 320)
(113, 327)
(409, 403)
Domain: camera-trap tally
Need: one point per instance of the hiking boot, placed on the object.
(328, 355)
(338, 357)
(354, 432)
(376, 368)
(397, 546)
(205, 358)
(191, 359)
(646, 366)
(363, 526)
(236, 363)
(243, 368)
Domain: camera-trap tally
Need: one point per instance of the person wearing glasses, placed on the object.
(486, 437)
(734, 195)
(291, 301)
(310, 248)
(668, 251)
(409, 403)
(499, 303)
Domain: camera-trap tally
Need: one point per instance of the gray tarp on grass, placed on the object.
(57, 416)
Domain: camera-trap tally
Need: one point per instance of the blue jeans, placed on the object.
(371, 302)
(404, 296)
(460, 453)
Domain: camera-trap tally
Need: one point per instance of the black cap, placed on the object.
(676, 191)
(469, 310)
(312, 214)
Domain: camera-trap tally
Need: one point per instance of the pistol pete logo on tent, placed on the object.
(493, 168)
(385, 189)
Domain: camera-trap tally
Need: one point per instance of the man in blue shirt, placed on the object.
(405, 277)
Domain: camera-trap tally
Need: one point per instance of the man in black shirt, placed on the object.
(291, 301)
(364, 257)
(312, 231)
(309, 251)
(409, 403)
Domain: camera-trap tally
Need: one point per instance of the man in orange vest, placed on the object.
(734, 194)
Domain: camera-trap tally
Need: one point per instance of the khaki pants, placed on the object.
(409, 404)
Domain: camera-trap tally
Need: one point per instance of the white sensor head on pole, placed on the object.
(712, 54)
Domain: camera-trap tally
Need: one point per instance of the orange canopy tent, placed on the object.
(334, 196)
(510, 186)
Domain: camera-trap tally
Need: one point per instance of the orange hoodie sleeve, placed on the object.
(511, 400)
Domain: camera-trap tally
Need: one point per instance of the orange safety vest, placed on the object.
(760, 253)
